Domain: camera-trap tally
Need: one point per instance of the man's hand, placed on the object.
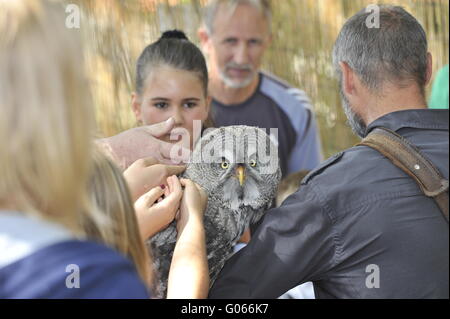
(148, 173)
(142, 142)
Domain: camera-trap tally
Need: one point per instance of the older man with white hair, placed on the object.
(234, 37)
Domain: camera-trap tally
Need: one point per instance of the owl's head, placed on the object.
(238, 166)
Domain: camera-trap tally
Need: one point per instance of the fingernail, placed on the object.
(169, 120)
(162, 186)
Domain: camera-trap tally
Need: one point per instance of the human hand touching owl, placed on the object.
(157, 208)
(193, 204)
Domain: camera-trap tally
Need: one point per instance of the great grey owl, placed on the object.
(238, 168)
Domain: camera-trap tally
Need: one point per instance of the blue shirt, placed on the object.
(43, 274)
(277, 105)
(40, 259)
(359, 227)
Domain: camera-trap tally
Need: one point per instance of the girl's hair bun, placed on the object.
(174, 34)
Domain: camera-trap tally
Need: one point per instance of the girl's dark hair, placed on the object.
(172, 49)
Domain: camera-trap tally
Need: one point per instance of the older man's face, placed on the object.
(237, 44)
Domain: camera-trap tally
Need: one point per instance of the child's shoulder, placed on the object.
(72, 269)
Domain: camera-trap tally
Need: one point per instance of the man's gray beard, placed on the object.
(354, 120)
(236, 85)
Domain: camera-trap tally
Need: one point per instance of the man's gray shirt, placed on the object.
(359, 227)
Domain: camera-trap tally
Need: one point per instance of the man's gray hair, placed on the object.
(210, 10)
(396, 51)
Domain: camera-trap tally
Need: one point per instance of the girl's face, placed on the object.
(170, 92)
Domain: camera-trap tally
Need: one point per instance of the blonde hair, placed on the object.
(46, 115)
(110, 195)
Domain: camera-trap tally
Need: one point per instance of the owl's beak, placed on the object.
(240, 174)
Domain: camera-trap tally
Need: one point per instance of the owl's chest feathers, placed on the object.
(225, 225)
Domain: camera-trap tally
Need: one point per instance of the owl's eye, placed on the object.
(252, 163)
(225, 165)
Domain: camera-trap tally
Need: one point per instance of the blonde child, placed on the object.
(119, 230)
(45, 132)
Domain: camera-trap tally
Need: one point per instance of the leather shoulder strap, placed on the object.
(407, 157)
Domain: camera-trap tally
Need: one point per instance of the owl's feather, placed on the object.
(231, 207)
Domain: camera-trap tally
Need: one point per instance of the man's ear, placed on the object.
(203, 35)
(429, 68)
(348, 79)
(136, 106)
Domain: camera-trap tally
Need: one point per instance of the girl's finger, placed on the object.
(173, 181)
(187, 183)
(184, 182)
(151, 196)
(176, 186)
(199, 188)
(169, 204)
(167, 189)
(170, 184)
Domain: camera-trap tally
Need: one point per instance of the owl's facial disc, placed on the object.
(239, 186)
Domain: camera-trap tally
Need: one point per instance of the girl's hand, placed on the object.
(155, 211)
(145, 174)
(189, 274)
(193, 204)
